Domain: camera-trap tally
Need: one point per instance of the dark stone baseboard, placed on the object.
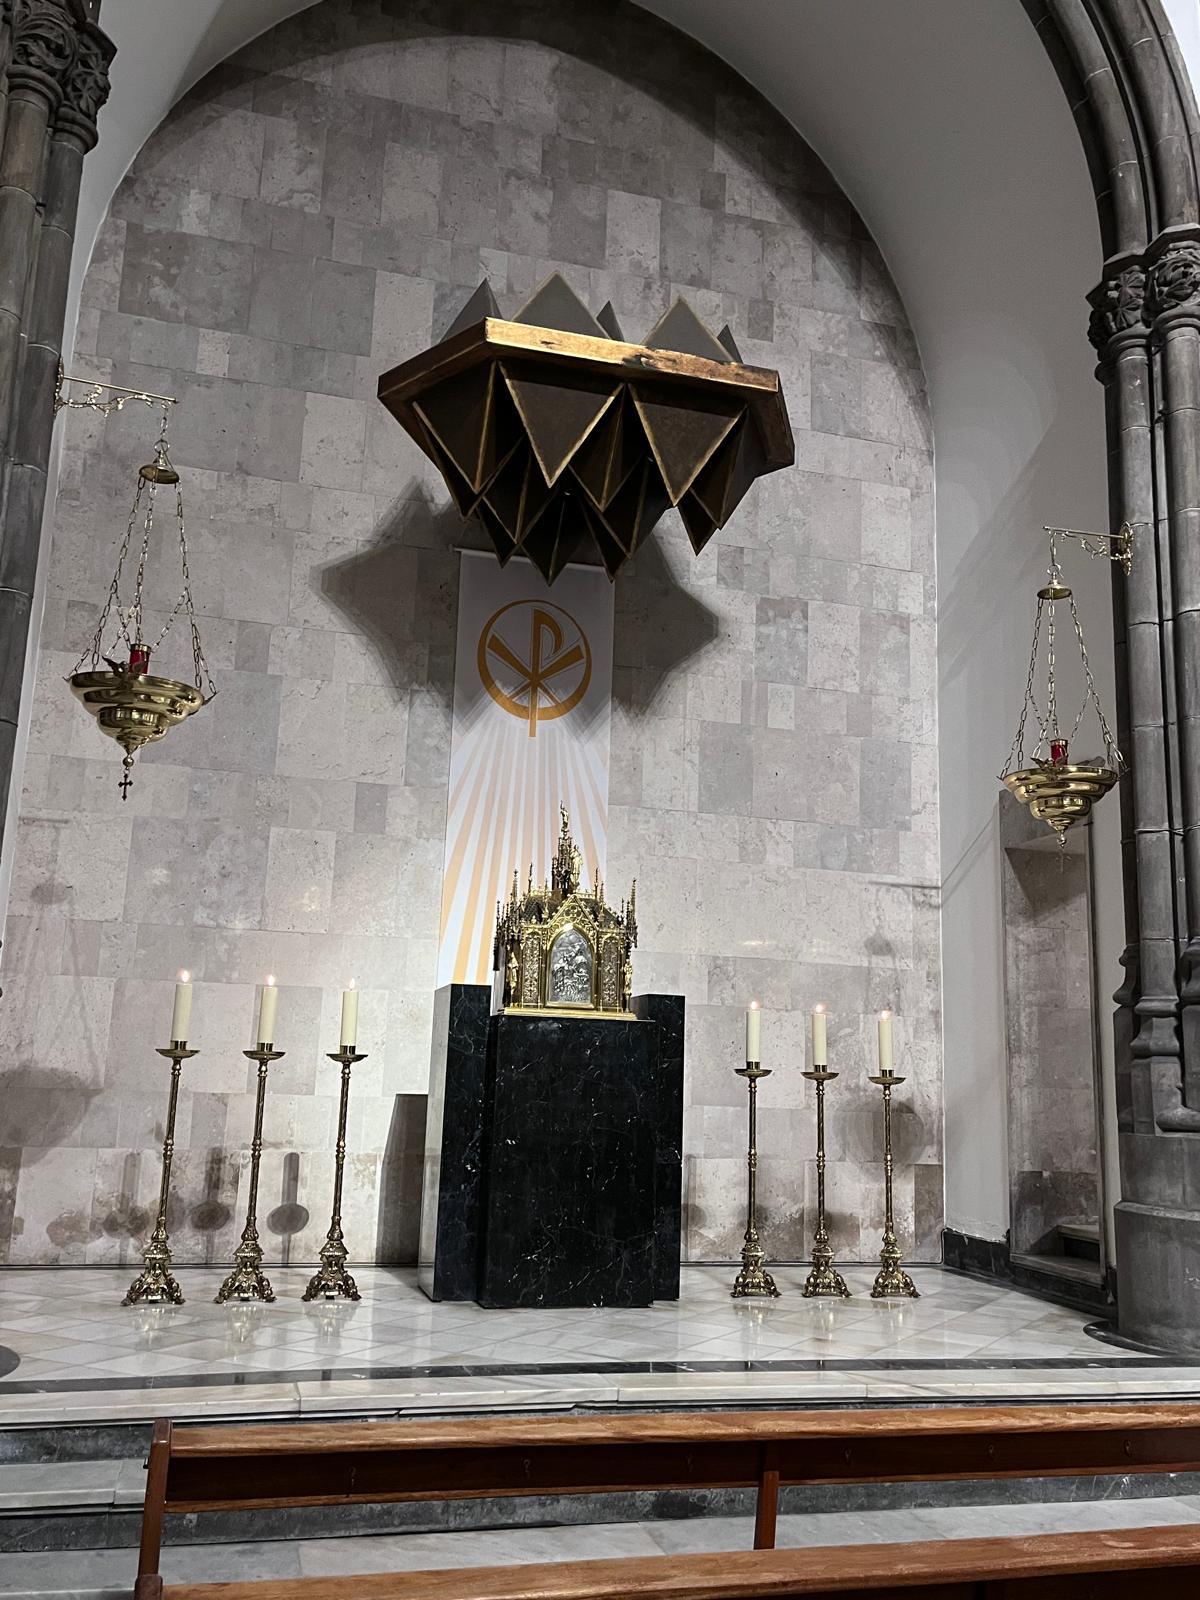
(991, 1260)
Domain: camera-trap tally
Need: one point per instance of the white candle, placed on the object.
(182, 1014)
(820, 1053)
(753, 1031)
(268, 1004)
(885, 1042)
(350, 1016)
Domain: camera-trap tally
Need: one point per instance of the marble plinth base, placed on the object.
(553, 1156)
(1158, 1271)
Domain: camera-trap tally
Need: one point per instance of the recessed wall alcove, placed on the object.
(1058, 1213)
(310, 215)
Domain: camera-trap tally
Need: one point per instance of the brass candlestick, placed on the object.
(891, 1278)
(331, 1280)
(753, 1282)
(247, 1280)
(823, 1279)
(155, 1285)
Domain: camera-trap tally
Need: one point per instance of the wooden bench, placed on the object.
(201, 1469)
(1164, 1562)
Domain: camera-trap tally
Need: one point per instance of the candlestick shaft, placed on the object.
(247, 1280)
(891, 1280)
(155, 1285)
(823, 1279)
(753, 1281)
(331, 1279)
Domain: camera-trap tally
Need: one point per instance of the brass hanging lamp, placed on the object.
(130, 704)
(1058, 789)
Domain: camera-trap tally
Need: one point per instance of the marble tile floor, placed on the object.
(83, 1356)
(101, 1574)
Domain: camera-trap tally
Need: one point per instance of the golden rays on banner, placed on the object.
(557, 435)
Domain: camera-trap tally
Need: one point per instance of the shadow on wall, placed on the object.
(401, 593)
(289, 1217)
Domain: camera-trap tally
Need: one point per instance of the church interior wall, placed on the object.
(953, 137)
(311, 214)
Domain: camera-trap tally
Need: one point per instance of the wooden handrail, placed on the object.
(1074, 1566)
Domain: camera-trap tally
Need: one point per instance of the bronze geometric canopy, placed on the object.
(551, 430)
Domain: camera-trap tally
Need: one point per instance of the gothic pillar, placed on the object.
(1174, 306)
(1146, 327)
(54, 83)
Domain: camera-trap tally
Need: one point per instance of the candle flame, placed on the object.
(185, 976)
(884, 1015)
(755, 1005)
(819, 1010)
(270, 980)
(352, 984)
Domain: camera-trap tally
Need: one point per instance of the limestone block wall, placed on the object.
(313, 213)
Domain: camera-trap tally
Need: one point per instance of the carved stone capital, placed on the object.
(45, 43)
(1173, 284)
(86, 87)
(1118, 307)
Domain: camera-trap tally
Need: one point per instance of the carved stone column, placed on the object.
(55, 81)
(1146, 327)
(1173, 304)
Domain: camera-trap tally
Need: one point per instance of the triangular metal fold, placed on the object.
(557, 416)
(730, 472)
(683, 433)
(726, 340)
(609, 453)
(461, 492)
(613, 555)
(633, 512)
(556, 305)
(504, 544)
(681, 329)
(471, 417)
(518, 494)
(700, 526)
(482, 304)
(555, 538)
(607, 318)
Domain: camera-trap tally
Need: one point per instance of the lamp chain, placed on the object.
(1016, 756)
(93, 650)
(1115, 757)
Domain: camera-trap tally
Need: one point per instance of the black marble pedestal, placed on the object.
(568, 1217)
(448, 1255)
(553, 1160)
(667, 1012)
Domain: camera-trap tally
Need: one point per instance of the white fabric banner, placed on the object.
(532, 692)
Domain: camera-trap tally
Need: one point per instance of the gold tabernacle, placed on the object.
(563, 950)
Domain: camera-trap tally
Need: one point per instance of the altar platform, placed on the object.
(82, 1358)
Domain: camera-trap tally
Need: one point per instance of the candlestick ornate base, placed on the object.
(824, 1279)
(155, 1285)
(891, 1280)
(247, 1280)
(753, 1282)
(331, 1281)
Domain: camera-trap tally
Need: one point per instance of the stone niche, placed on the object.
(1055, 1187)
(314, 212)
